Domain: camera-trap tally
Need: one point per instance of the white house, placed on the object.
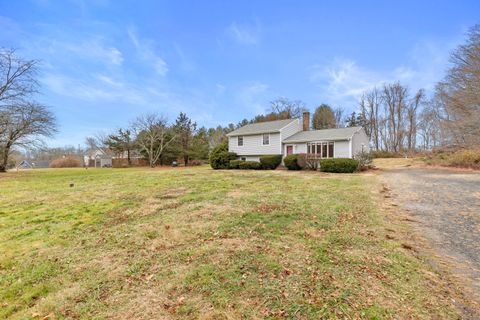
(293, 136)
(98, 158)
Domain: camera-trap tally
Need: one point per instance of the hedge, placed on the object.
(339, 165)
(249, 165)
(291, 163)
(220, 157)
(235, 164)
(271, 162)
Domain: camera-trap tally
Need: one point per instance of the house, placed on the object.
(293, 136)
(98, 158)
(24, 164)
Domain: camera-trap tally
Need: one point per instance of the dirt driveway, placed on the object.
(445, 208)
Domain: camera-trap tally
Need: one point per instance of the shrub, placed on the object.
(195, 162)
(463, 159)
(68, 162)
(220, 157)
(339, 165)
(271, 162)
(291, 163)
(364, 159)
(235, 164)
(254, 165)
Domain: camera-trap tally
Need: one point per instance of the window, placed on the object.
(266, 139)
(243, 159)
(321, 149)
(240, 141)
(330, 149)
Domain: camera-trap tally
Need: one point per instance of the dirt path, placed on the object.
(445, 206)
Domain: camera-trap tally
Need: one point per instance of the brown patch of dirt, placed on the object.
(173, 193)
(267, 208)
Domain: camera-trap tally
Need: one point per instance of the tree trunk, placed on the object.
(185, 160)
(4, 159)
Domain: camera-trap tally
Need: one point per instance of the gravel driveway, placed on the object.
(446, 205)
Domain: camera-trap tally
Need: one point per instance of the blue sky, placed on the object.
(104, 62)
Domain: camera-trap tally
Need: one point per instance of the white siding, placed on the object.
(252, 145)
(342, 149)
(360, 138)
(292, 128)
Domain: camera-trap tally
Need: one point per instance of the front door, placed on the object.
(289, 150)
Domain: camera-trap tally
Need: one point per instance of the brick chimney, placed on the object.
(306, 121)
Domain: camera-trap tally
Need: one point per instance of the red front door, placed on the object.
(289, 150)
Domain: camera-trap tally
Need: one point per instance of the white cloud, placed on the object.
(343, 81)
(94, 48)
(244, 34)
(146, 52)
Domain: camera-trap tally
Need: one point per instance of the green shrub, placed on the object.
(235, 164)
(339, 165)
(254, 165)
(220, 157)
(291, 163)
(271, 162)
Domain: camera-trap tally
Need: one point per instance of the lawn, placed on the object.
(198, 243)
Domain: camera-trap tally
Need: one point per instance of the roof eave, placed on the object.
(233, 134)
(314, 140)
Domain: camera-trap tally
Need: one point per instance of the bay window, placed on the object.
(321, 149)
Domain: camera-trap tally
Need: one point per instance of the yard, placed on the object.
(197, 243)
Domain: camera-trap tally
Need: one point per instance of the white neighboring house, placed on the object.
(292, 136)
(98, 158)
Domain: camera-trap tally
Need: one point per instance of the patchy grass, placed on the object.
(385, 163)
(197, 243)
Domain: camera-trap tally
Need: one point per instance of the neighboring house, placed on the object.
(25, 165)
(293, 136)
(98, 158)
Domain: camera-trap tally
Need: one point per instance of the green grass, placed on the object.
(197, 243)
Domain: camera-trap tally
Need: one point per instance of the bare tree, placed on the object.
(23, 121)
(18, 77)
(23, 125)
(412, 121)
(153, 135)
(459, 93)
(97, 141)
(338, 112)
(370, 107)
(290, 108)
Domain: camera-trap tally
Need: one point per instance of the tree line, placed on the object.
(395, 118)
(398, 120)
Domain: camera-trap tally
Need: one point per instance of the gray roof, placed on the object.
(261, 127)
(325, 134)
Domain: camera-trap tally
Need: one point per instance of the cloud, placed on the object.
(244, 34)
(94, 48)
(145, 50)
(343, 81)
